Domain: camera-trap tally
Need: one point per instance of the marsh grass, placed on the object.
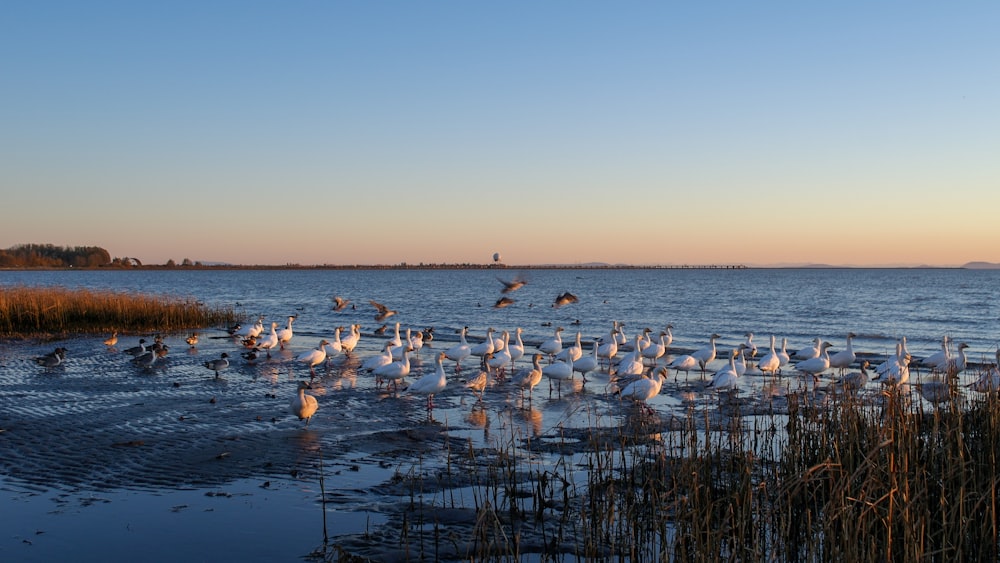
(53, 311)
(885, 476)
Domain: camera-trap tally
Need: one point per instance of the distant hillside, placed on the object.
(982, 266)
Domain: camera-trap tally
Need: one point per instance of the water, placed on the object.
(880, 305)
(156, 447)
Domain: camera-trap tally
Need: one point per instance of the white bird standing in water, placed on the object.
(303, 405)
(770, 362)
(432, 383)
(815, 366)
(706, 354)
(989, 381)
(810, 352)
(314, 357)
(270, 341)
(843, 359)
(552, 346)
(459, 351)
(285, 334)
(644, 389)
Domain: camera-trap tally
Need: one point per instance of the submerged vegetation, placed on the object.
(827, 478)
(38, 311)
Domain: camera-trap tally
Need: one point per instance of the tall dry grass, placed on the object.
(41, 311)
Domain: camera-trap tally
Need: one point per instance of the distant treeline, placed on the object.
(51, 256)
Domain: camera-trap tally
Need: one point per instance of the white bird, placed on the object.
(741, 361)
(552, 346)
(898, 371)
(218, 364)
(314, 357)
(989, 381)
(459, 351)
(656, 349)
(285, 334)
(395, 371)
(608, 349)
(335, 347)
(853, 381)
(810, 352)
(750, 345)
(935, 392)
(378, 360)
(936, 360)
(304, 406)
(957, 364)
(560, 370)
(270, 341)
(844, 358)
(252, 331)
(416, 341)
(770, 362)
(528, 378)
(588, 363)
(432, 383)
(631, 363)
(727, 377)
(815, 366)
(892, 361)
(783, 354)
(396, 340)
(685, 363)
(397, 350)
(645, 388)
(498, 362)
(516, 348)
(487, 346)
(574, 350)
(706, 354)
(349, 342)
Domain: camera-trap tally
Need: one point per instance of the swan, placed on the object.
(843, 359)
(552, 346)
(218, 364)
(810, 352)
(656, 348)
(349, 342)
(644, 389)
(460, 351)
(269, 341)
(706, 354)
(528, 378)
(314, 357)
(304, 406)
(815, 366)
(770, 362)
(395, 371)
(431, 383)
(285, 334)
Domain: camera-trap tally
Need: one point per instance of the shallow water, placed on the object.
(98, 455)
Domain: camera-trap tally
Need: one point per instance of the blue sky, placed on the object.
(563, 131)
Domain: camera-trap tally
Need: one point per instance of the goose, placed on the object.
(608, 350)
(478, 384)
(642, 390)
(335, 347)
(528, 378)
(339, 303)
(350, 342)
(898, 373)
(668, 338)
(432, 383)
(459, 351)
(619, 332)
(706, 354)
(397, 340)
(270, 341)
(631, 363)
(810, 352)
(303, 405)
(378, 360)
(252, 331)
(552, 346)
(314, 357)
(750, 345)
(685, 363)
(588, 363)
(112, 340)
(416, 341)
(770, 362)
(853, 381)
(285, 334)
(815, 366)
(843, 359)
(891, 362)
(783, 354)
(218, 364)
(989, 381)
(499, 360)
(934, 391)
(656, 349)
(398, 347)
(395, 371)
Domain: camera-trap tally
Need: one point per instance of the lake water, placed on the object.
(100, 457)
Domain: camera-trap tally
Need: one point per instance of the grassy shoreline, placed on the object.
(38, 312)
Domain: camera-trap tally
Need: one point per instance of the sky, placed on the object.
(551, 132)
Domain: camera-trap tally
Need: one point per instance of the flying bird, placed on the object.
(565, 299)
(503, 302)
(339, 303)
(512, 285)
(383, 311)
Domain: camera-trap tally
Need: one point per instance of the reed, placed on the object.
(885, 477)
(46, 311)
